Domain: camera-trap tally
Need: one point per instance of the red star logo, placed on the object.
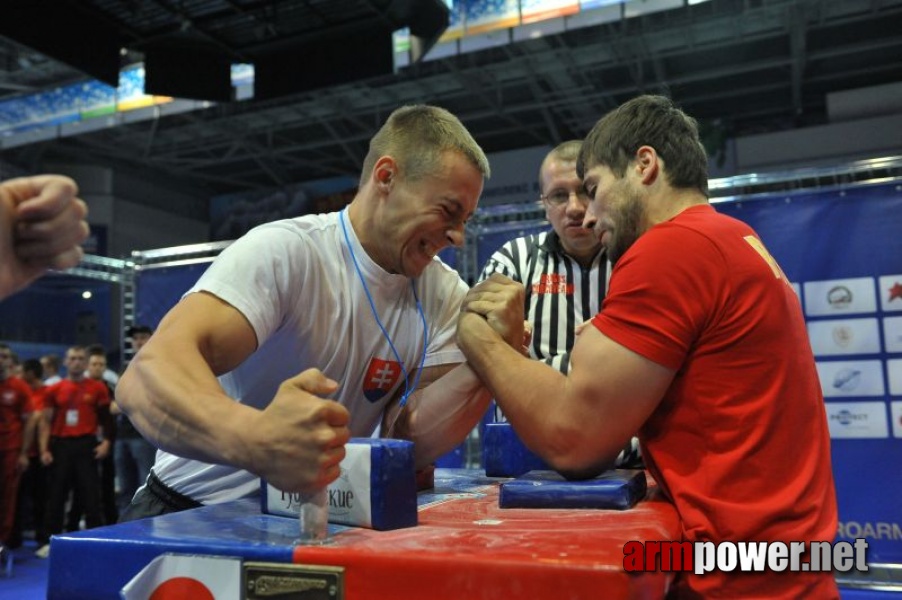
(895, 292)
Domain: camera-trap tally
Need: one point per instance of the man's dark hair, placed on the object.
(53, 361)
(648, 121)
(96, 350)
(33, 366)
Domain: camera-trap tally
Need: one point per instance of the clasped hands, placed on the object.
(493, 309)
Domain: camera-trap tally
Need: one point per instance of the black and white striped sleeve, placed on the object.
(503, 262)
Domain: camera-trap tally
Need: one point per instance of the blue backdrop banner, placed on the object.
(842, 249)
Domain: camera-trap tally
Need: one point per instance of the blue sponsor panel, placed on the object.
(844, 256)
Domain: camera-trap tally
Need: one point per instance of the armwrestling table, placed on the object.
(465, 547)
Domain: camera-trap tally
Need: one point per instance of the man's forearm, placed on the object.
(444, 412)
(534, 397)
(28, 434)
(503, 372)
(105, 420)
(44, 431)
(179, 406)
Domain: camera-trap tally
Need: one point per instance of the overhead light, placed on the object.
(86, 294)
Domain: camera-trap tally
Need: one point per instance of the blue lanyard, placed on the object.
(407, 389)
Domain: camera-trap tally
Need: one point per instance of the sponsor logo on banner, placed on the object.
(848, 420)
(891, 293)
(877, 530)
(381, 376)
(894, 369)
(843, 336)
(840, 296)
(848, 336)
(847, 380)
(892, 334)
(171, 576)
(851, 378)
(895, 409)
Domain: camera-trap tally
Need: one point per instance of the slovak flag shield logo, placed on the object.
(381, 377)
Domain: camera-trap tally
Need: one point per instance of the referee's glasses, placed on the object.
(558, 198)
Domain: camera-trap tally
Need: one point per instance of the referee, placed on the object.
(564, 271)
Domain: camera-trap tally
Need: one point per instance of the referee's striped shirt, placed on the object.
(560, 294)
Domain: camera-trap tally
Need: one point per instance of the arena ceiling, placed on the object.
(740, 66)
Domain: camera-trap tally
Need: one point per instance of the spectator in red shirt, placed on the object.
(96, 369)
(15, 406)
(32, 501)
(77, 410)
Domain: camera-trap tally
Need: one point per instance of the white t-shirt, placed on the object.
(295, 282)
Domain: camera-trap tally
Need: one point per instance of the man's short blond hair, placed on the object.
(565, 152)
(416, 136)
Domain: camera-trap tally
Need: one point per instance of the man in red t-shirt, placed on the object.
(15, 406)
(77, 410)
(30, 507)
(701, 346)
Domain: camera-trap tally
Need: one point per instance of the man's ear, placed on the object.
(384, 173)
(647, 164)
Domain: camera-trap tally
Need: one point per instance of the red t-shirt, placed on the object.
(15, 402)
(739, 441)
(37, 404)
(75, 405)
(37, 397)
